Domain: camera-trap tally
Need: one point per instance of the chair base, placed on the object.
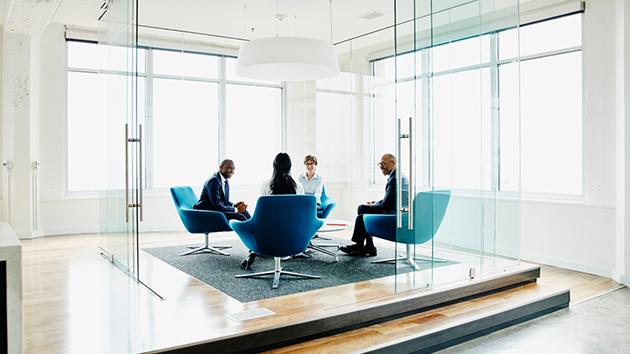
(318, 247)
(324, 251)
(277, 272)
(410, 260)
(206, 247)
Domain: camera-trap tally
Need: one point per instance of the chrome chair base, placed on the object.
(207, 247)
(277, 272)
(410, 259)
(318, 247)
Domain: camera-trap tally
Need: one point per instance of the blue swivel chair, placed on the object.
(327, 204)
(429, 210)
(282, 226)
(199, 221)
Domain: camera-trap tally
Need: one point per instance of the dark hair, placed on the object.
(282, 182)
(310, 158)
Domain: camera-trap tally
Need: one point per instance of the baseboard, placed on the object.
(25, 235)
(562, 263)
(93, 229)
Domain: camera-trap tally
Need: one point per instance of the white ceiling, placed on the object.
(237, 18)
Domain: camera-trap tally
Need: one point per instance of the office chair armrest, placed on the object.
(381, 226)
(204, 221)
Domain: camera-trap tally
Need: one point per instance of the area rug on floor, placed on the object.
(218, 271)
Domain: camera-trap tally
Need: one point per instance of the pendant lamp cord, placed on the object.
(245, 21)
(330, 9)
(277, 21)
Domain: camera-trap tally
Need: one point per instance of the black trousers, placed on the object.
(359, 235)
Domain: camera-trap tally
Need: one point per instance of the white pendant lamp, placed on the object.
(287, 59)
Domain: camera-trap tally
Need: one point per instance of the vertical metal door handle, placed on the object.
(126, 173)
(140, 202)
(411, 167)
(398, 177)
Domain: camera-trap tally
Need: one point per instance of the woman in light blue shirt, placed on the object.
(311, 181)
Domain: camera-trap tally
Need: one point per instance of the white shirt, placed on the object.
(265, 189)
(223, 179)
(314, 186)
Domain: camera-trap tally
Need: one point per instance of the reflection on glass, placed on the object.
(185, 129)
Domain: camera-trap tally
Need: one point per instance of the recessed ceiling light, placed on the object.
(373, 14)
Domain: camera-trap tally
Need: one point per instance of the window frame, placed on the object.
(494, 64)
(149, 75)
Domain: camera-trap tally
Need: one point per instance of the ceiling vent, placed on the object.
(373, 14)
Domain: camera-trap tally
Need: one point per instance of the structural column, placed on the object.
(20, 132)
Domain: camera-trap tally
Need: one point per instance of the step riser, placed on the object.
(452, 335)
(291, 333)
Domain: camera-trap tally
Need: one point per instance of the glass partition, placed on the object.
(120, 190)
(456, 222)
(432, 89)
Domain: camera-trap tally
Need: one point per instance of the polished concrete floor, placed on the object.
(599, 325)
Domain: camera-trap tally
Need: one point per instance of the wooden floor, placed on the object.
(77, 302)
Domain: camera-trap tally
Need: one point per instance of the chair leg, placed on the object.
(276, 274)
(324, 251)
(322, 237)
(207, 247)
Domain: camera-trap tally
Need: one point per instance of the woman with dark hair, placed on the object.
(281, 181)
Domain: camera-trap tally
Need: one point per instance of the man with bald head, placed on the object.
(363, 244)
(216, 194)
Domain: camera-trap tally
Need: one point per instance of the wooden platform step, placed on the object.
(428, 308)
(441, 327)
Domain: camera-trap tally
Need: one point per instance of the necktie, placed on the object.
(227, 192)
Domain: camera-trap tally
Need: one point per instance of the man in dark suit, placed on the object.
(216, 194)
(387, 205)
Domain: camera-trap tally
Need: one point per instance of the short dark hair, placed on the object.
(310, 158)
(225, 161)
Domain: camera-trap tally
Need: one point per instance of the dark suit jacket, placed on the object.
(212, 196)
(388, 203)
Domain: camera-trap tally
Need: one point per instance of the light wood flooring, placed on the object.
(77, 302)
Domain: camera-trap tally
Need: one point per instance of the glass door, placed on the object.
(120, 203)
(448, 132)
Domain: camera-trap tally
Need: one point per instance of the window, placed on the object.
(537, 149)
(179, 105)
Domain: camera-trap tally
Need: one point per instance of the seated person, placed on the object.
(387, 205)
(311, 181)
(216, 194)
(280, 183)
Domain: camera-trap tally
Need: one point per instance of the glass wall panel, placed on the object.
(449, 139)
(118, 230)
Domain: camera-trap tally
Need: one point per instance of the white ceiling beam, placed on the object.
(28, 16)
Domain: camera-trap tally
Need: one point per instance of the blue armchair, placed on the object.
(198, 221)
(429, 210)
(327, 204)
(282, 226)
